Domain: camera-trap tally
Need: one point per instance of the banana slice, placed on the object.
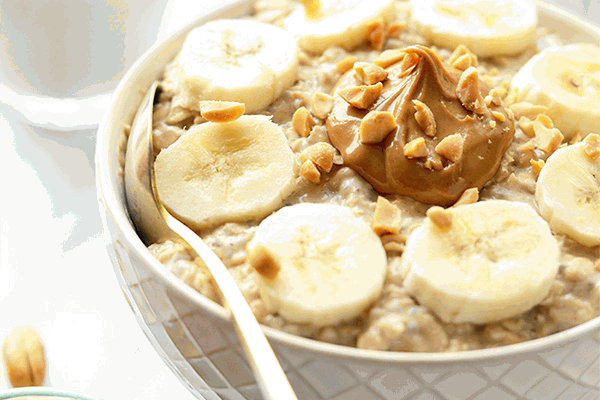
(236, 60)
(567, 192)
(486, 27)
(567, 81)
(480, 262)
(344, 23)
(317, 263)
(220, 172)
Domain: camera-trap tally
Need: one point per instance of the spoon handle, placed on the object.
(271, 378)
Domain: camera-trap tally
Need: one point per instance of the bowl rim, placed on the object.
(41, 391)
(107, 179)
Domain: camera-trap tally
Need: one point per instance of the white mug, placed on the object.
(60, 59)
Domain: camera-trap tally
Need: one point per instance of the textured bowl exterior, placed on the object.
(195, 338)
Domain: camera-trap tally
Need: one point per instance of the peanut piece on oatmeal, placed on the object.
(526, 109)
(459, 52)
(395, 29)
(415, 148)
(451, 147)
(526, 126)
(370, 73)
(440, 217)
(469, 196)
(547, 137)
(321, 154)
(389, 57)
(591, 145)
(221, 111)
(408, 63)
(345, 64)
(499, 116)
(376, 125)
(310, 172)
(468, 92)
(527, 147)
(264, 261)
(425, 118)
(303, 122)
(377, 34)
(321, 104)
(536, 166)
(312, 9)
(463, 62)
(363, 96)
(387, 219)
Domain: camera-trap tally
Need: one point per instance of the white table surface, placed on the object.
(55, 274)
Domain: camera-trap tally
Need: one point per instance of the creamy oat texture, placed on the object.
(395, 321)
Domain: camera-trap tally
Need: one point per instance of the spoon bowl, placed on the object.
(154, 223)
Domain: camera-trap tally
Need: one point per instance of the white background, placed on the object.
(54, 271)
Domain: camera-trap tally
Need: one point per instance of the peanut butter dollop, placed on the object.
(464, 138)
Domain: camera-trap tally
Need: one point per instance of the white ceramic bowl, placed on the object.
(194, 337)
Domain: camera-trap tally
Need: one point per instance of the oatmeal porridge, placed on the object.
(387, 185)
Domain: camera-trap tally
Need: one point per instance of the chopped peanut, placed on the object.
(468, 92)
(389, 57)
(527, 147)
(264, 261)
(376, 125)
(362, 97)
(395, 29)
(547, 137)
(440, 217)
(321, 104)
(387, 219)
(526, 126)
(591, 145)
(492, 124)
(321, 154)
(370, 73)
(451, 147)
(526, 109)
(312, 9)
(408, 63)
(499, 116)
(425, 118)
(416, 148)
(460, 51)
(221, 111)
(345, 64)
(536, 166)
(303, 122)
(469, 196)
(377, 34)
(310, 172)
(463, 62)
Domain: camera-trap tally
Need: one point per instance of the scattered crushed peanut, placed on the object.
(377, 34)
(425, 118)
(312, 9)
(451, 147)
(468, 92)
(387, 219)
(389, 57)
(303, 122)
(321, 105)
(310, 172)
(547, 137)
(458, 53)
(321, 154)
(345, 64)
(526, 126)
(370, 73)
(536, 166)
(499, 116)
(526, 109)
(362, 97)
(492, 124)
(416, 148)
(221, 111)
(469, 196)
(463, 62)
(408, 63)
(527, 147)
(376, 125)
(440, 217)
(591, 145)
(264, 261)
(24, 357)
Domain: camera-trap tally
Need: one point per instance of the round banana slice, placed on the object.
(486, 27)
(567, 81)
(237, 60)
(344, 23)
(567, 191)
(221, 172)
(480, 262)
(317, 263)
